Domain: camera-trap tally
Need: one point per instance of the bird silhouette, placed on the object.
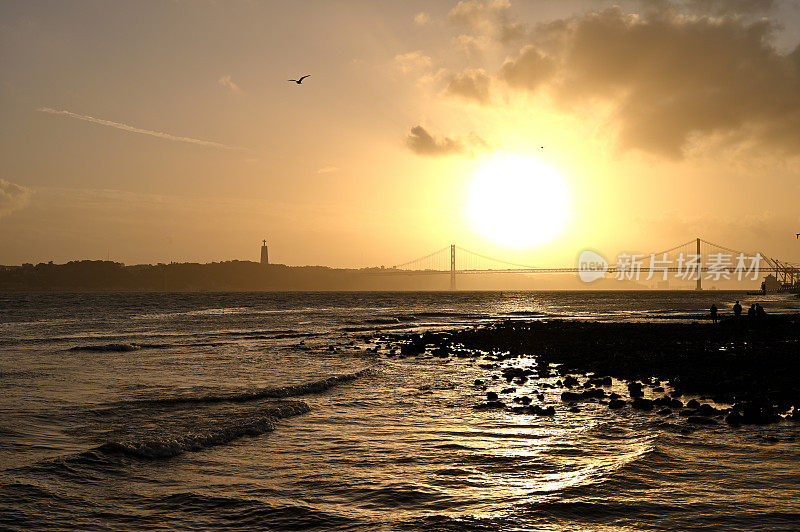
(299, 81)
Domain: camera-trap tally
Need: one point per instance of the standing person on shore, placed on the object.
(751, 312)
(737, 310)
(713, 312)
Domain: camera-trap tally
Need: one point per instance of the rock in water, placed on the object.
(616, 404)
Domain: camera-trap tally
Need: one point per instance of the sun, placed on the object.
(518, 201)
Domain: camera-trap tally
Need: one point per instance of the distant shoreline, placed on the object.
(247, 276)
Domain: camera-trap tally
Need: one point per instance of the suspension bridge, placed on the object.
(696, 260)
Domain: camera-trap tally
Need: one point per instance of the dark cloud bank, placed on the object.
(676, 72)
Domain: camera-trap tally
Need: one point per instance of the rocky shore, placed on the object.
(740, 371)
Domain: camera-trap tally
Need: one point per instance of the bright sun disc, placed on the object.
(518, 201)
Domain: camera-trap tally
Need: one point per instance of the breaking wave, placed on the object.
(280, 392)
(170, 445)
(117, 348)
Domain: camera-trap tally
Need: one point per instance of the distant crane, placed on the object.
(299, 81)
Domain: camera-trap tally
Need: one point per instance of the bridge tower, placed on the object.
(452, 267)
(699, 267)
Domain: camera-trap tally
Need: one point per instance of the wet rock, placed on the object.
(616, 404)
(658, 389)
(571, 396)
(574, 409)
(593, 393)
(491, 396)
(734, 418)
(756, 414)
(635, 389)
(514, 372)
(664, 412)
(662, 401)
(534, 410)
(441, 352)
(600, 381)
(508, 390)
(570, 381)
(489, 405)
(540, 396)
(694, 403)
(478, 382)
(707, 410)
(642, 404)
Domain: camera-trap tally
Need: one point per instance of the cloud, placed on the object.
(487, 17)
(476, 13)
(422, 19)
(226, 81)
(669, 78)
(132, 129)
(421, 142)
(12, 197)
(327, 170)
(471, 45)
(412, 61)
(726, 7)
(528, 70)
(470, 84)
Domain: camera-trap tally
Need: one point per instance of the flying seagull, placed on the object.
(299, 81)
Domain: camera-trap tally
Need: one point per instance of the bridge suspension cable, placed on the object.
(492, 259)
(419, 260)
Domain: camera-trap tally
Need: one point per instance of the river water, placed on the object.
(246, 411)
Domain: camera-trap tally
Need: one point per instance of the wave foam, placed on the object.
(117, 348)
(168, 445)
(281, 392)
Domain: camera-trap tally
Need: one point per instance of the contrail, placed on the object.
(126, 127)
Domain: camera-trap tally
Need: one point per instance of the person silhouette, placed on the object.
(714, 313)
(737, 310)
(751, 312)
(760, 313)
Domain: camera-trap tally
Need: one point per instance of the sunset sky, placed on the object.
(167, 131)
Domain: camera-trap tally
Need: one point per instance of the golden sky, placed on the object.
(167, 131)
